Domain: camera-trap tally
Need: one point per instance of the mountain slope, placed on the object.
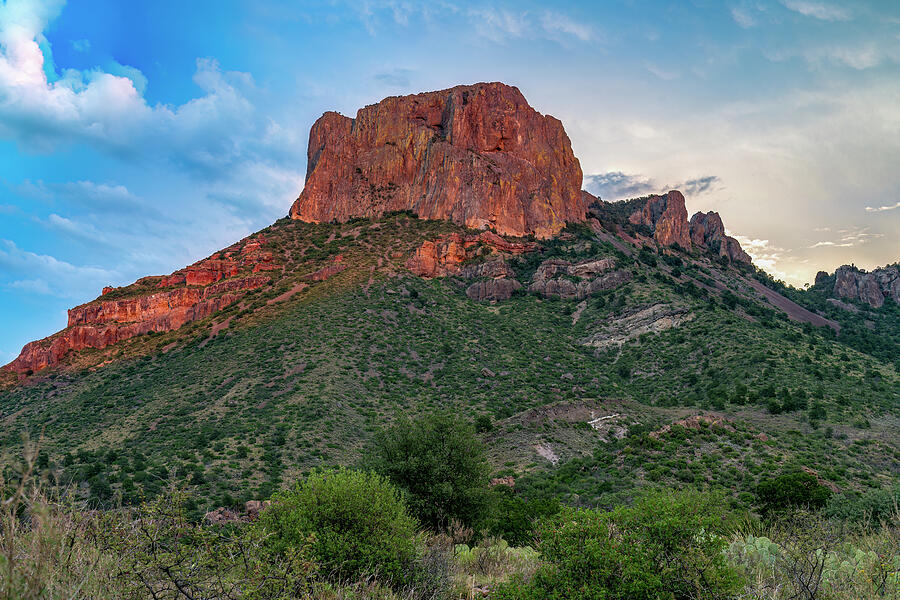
(626, 347)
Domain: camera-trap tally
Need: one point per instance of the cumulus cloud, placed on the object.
(818, 10)
(764, 253)
(207, 135)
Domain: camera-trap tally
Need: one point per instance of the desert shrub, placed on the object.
(440, 464)
(872, 507)
(515, 517)
(357, 522)
(159, 552)
(666, 546)
(791, 490)
(493, 557)
(51, 548)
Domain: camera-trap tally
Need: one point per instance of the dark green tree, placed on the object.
(440, 464)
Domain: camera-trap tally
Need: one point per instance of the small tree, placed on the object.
(439, 462)
(791, 490)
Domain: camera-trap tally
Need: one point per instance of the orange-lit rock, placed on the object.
(101, 324)
(478, 155)
(443, 256)
(666, 216)
(708, 231)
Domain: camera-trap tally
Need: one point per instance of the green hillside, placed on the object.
(242, 403)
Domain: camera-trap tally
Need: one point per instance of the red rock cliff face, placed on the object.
(444, 255)
(666, 216)
(478, 155)
(200, 290)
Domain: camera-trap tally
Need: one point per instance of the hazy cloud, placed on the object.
(849, 237)
(558, 23)
(48, 274)
(617, 185)
(882, 208)
(818, 10)
(742, 17)
(399, 78)
(694, 187)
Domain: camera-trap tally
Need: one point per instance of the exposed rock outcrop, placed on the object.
(443, 256)
(493, 289)
(623, 328)
(872, 288)
(478, 155)
(101, 324)
(229, 263)
(555, 277)
(708, 231)
(200, 290)
(666, 216)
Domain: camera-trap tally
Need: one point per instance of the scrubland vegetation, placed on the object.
(359, 534)
(738, 455)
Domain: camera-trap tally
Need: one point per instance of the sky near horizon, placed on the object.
(138, 137)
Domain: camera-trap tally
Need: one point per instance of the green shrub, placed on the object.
(358, 523)
(871, 507)
(515, 516)
(791, 490)
(439, 462)
(666, 546)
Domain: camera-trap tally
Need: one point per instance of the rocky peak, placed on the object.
(872, 288)
(708, 231)
(478, 155)
(666, 216)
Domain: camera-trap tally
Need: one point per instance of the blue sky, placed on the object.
(137, 137)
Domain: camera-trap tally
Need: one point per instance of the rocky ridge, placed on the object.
(666, 218)
(200, 290)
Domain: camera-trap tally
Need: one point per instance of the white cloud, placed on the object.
(742, 17)
(499, 24)
(765, 254)
(883, 208)
(849, 237)
(558, 23)
(664, 74)
(34, 286)
(818, 10)
(45, 274)
(208, 135)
